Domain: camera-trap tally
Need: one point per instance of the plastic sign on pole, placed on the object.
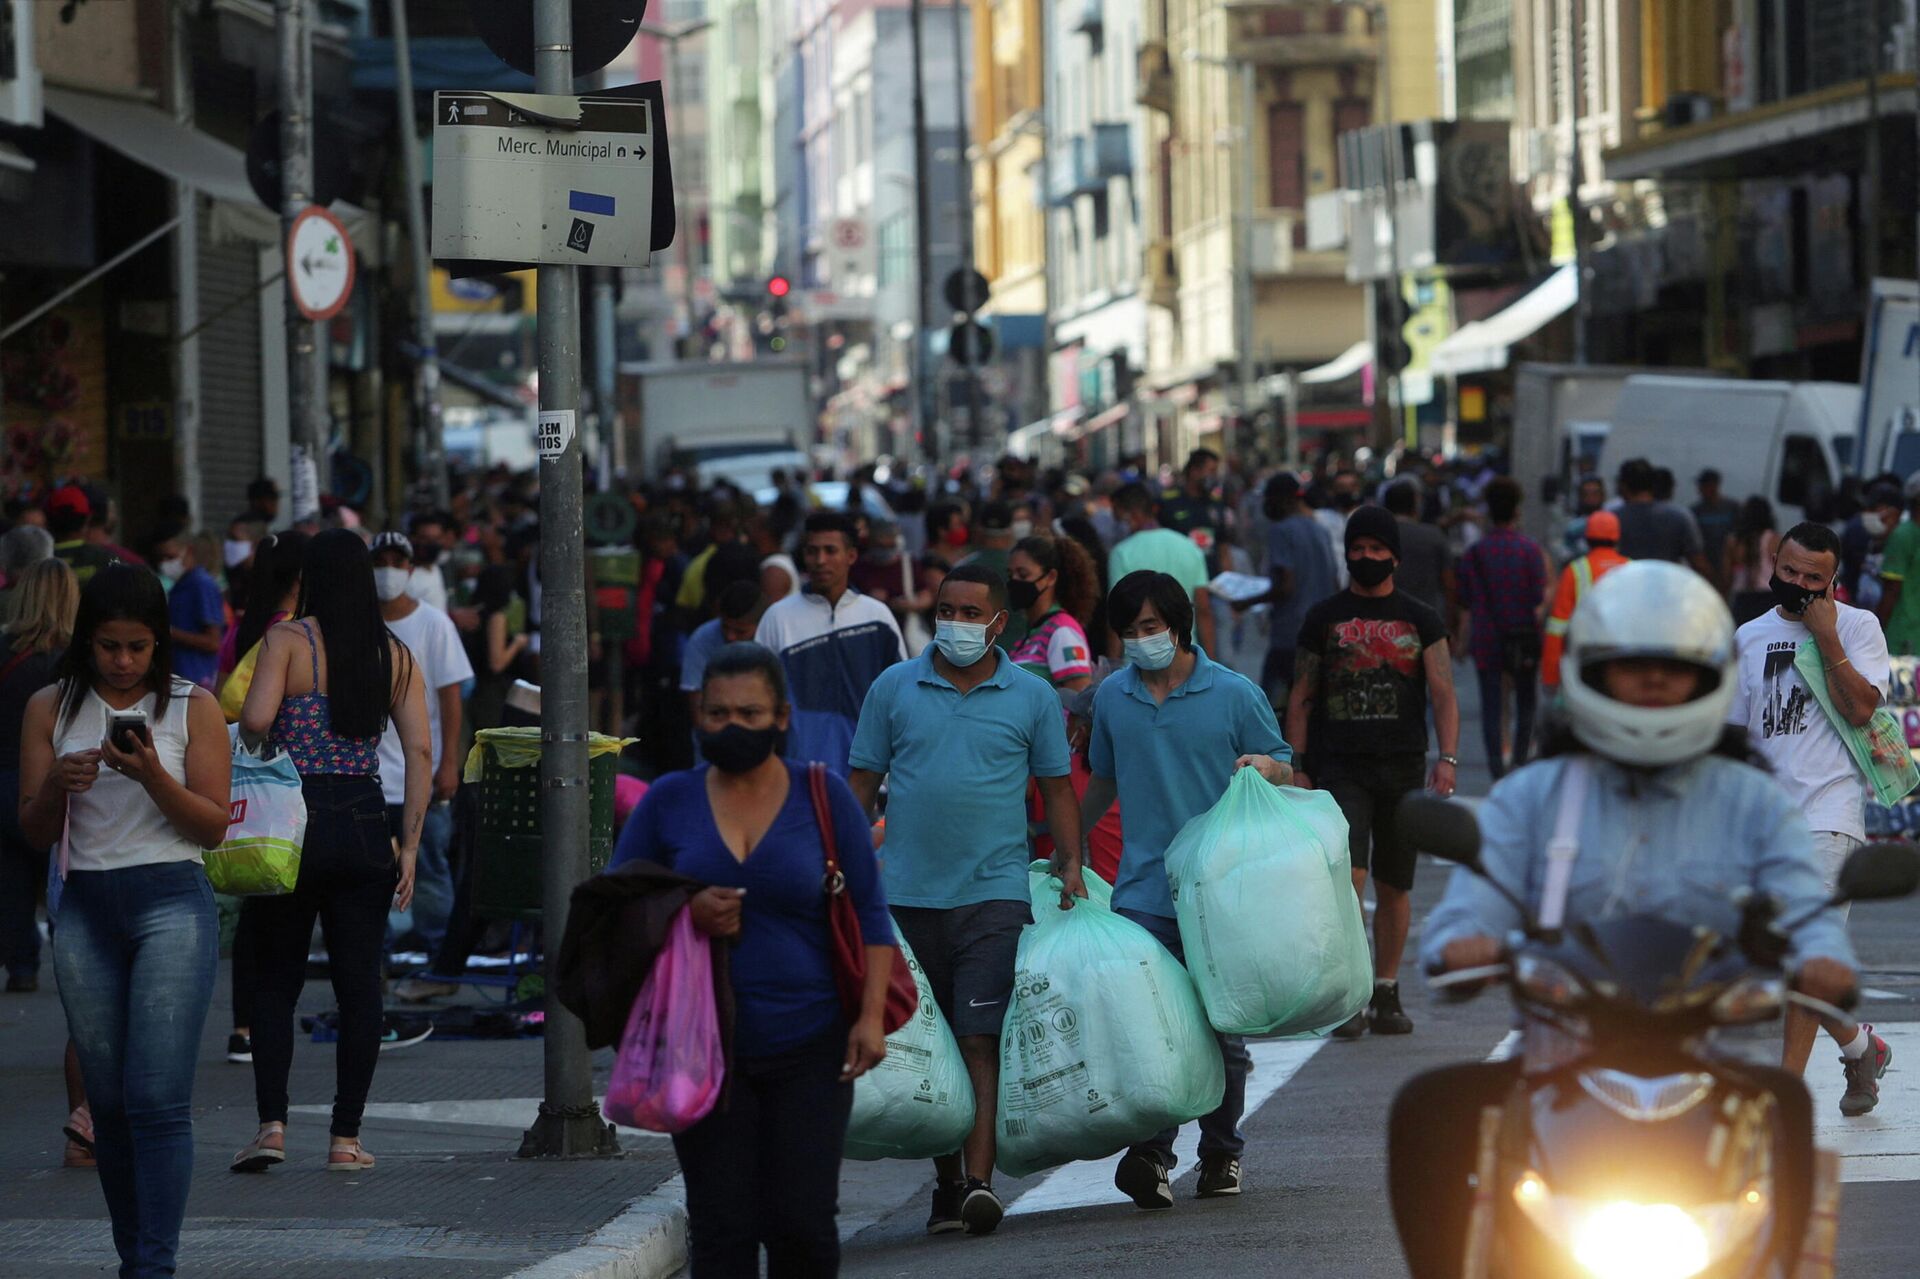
(319, 263)
(526, 177)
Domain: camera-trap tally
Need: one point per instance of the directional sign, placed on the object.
(522, 177)
(319, 264)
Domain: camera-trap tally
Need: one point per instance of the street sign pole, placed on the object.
(430, 453)
(306, 372)
(569, 1124)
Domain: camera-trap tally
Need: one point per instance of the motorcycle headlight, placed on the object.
(1546, 982)
(1622, 1239)
(1749, 1000)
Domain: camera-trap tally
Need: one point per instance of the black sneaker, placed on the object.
(981, 1210)
(1219, 1177)
(239, 1048)
(403, 1031)
(1143, 1179)
(1353, 1027)
(947, 1198)
(1386, 1016)
(1863, 1076)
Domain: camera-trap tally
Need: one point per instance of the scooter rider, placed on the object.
(1673, 821)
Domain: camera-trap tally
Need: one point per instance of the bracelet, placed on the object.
(1452, 761)
(1842, 662)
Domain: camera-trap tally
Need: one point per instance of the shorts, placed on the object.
(1831, 849)
(1368, 790)
(967, 955)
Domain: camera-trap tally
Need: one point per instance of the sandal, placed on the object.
(256, 1155)
(78, 1156)
(79, 1128)
(350, 1157)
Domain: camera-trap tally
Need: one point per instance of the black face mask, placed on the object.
(737, 748)
(1022, 595)
(426, 555)
(1346, 501)
(1369, 573)
(1791, 597)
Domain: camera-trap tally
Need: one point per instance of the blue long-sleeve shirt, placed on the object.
(1674, 844)
(782, 965)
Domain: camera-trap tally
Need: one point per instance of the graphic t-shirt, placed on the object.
(1373, 682)
(1809, 760)
(1202, 519)
(1055, 649)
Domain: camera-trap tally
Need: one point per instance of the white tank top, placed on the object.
(116, 823)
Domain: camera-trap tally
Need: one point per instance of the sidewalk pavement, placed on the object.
(447, 1200)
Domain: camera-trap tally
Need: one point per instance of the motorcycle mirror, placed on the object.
(1448, 830)
(1879, 872)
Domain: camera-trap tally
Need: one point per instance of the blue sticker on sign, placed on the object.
(587, 202)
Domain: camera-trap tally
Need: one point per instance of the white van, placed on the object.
(1789, 442)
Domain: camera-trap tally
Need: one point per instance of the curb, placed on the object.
(647, 1241)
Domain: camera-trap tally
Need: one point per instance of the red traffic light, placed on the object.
(779, 286)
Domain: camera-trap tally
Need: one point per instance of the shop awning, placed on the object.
(151, 137)
(1481, 347)
(1342, 366)
(1823, 130)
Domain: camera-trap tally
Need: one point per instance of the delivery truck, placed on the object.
(734, 422)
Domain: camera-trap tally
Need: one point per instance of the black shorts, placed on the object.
(967, 955)
(1368, 790)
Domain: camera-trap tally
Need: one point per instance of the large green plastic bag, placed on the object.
(1105, 1042)
(1263, 891)
(918, 1102)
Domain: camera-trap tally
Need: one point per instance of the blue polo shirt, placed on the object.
(1171, 762)
(960, 763)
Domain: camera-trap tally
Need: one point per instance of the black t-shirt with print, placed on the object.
(1373, 683)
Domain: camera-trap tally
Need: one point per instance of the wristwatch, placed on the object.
(1453, 760)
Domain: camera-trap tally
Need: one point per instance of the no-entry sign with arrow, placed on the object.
(319, 264)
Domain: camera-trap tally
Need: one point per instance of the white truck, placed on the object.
(736, 422)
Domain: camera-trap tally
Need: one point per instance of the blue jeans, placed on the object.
(136, 955)
(432, 878)
(1219, 1131)
(1493, 715)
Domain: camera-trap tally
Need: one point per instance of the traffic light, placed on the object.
(779, 286)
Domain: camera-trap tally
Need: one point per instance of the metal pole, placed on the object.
(975, 436)
(569, 1123)
(306, 379)
(605, 364)
(1576, 170)
(430, 452)
(1871, 201)
(1243, 278)
(1396, 155)
(922, 242)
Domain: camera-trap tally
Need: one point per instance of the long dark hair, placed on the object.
(117, 593)
(336, 590)
(277, 559)
(1077, 587)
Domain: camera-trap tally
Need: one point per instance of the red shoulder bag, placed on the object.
(849, 949)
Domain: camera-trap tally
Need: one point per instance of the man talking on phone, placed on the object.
(1808, 757)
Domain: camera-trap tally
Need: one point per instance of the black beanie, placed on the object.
(1374, 522)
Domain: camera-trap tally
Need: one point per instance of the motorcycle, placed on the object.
(1625, 1148)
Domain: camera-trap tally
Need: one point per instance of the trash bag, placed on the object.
(1105, 1042)
(670, 1068)
(1263, 890)
(918, 1102)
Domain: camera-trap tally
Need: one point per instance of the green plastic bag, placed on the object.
(1105, 1042)
(1879, 749)
(1263, 890)
(918, 1102)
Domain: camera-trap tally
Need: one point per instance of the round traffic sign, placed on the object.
(601, 29)
(965, 290)
(970, 342)
(319, 263)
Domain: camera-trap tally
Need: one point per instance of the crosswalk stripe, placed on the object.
(1090, 1183)
(1884, 1144)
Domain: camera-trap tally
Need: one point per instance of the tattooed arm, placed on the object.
(1300, 704)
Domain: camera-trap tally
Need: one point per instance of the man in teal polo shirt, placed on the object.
(959, 732)
(1169, 731)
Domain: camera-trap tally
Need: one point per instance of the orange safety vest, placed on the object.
(1575, 581)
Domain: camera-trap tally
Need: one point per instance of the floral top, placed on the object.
(304, 729)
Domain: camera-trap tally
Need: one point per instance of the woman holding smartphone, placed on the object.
(324, 688)
(132, 805)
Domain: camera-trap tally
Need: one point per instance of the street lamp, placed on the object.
(1243, 241)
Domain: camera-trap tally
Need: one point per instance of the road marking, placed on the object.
(1090, 1183)
(498, 1112)
(1884, 1144)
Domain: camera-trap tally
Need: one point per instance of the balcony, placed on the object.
(1083, 163)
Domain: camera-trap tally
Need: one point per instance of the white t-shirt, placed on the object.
(785, 564)
(1787, 727)
(434, 641)
(429, 587)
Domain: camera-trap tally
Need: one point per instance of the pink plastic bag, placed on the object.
(670, 1068)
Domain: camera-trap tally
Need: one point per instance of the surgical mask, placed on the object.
(174, 569)
(1022, 530)
(1369, 572)
(1022, 594)
(1874, 523)
(390, 583)
(737, 748)
(237, 553)
(1790, 596)
(962, 643)
(1153, 653)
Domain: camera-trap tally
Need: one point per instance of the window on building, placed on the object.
(1286, 156)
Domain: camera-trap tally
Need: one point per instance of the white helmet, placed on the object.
(1649, 609)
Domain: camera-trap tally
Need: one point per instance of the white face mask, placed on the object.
(174, 569)
(390, 583)
(1152, 653)
(1022, 530)
(237, 553)
(1874, 523)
